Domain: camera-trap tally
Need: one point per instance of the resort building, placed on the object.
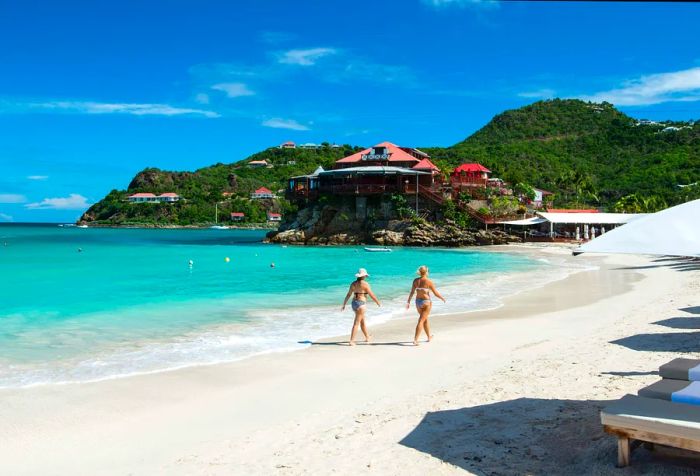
(383, 168)
(288, 145)
(237, 216)
(258, 163)
(168, 197)
(262, 192)
(470, 175)
(274, 216)
(309, 145)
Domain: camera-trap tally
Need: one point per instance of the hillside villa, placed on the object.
(258, 163)
(237, 216)
(274, 216)
(168, 197)
(262, 192)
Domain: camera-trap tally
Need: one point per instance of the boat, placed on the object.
(378, 250)
(82, 226)
(218, 227)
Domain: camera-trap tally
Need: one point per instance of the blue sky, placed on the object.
(92, 92)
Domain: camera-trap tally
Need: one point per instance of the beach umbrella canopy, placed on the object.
(674, 232)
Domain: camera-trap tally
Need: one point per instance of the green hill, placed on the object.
(559, 145)
(203, 188)
(587, 154)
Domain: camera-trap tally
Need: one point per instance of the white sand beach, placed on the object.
(515, 390)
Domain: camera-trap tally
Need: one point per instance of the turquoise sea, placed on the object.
(85, 304)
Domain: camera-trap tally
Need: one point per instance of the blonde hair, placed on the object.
(423, 271)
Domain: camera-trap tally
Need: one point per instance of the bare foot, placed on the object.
(368, 338)
(352, 343)
(415, 342)
(431, 337)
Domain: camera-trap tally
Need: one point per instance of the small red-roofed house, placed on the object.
(237, 216)
(168, 197)
(143, 198)
(262, 192)
(274, 216)
(288, 145)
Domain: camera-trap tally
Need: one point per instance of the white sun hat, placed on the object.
(361, 273)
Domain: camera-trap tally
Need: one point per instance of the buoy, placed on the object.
(272, 265)
(227, 259)
(190, 263)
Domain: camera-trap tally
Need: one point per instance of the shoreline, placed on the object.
(398, 315)
(351, 409)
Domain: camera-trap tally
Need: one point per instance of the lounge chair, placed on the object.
(681, 369)
(640, 419)
(679, 391)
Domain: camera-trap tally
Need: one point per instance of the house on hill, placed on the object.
(258, 163)
(237, 216)
(274, 216)
(383, 168)
(288, 145)
(147, 197)
(262, 192)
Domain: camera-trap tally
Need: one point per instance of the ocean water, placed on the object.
(88, 304)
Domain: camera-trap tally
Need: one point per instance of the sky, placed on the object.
(91, 92)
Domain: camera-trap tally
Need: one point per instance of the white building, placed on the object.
(262, 192)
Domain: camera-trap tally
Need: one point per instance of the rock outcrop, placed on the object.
(335, 225)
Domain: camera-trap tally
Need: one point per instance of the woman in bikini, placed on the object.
(360, 289)
(422, 286)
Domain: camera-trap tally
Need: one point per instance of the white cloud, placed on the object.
(202, 98)
(538, 94)
(234, 90)
(462, 3)
(72, 202)
(279, 123)
(37, 177)
(6, 217)
(305, 57)
(89, 107)
(12, 198)
(658, 88)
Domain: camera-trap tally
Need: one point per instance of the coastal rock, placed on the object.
(388, 238)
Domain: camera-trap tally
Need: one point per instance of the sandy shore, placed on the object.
(514, 390)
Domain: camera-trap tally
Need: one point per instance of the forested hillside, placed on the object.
(587, 154)
(584, 152)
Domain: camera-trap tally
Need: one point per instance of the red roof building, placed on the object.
(262, 192)
(471, 169)
(471, 175)
(426, 165)
(288, 145)
(385, 153)
(274, 216)
(237, 216)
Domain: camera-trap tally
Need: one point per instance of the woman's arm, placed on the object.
(371, 294)
(347, 296)
(413, 290)
(435, 291)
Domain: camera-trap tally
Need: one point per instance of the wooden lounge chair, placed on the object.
(634, 419)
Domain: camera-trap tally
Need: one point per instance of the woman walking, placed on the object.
(422, 286)
(360, 289)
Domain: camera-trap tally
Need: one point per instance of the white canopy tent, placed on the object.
(590, 218)
(674, 231)
(524, 222)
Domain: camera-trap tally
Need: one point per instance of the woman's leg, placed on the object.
(419, 326)
(426, 325)
(359, 317)
(363, 327)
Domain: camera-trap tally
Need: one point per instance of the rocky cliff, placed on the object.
(336, 225)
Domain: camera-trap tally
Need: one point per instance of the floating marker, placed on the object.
(227, 259)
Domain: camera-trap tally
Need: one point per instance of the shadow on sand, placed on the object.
(680, 323)
(677, 263)
(665, 342)
(347, 343)
(691, 310)
(536, 436)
